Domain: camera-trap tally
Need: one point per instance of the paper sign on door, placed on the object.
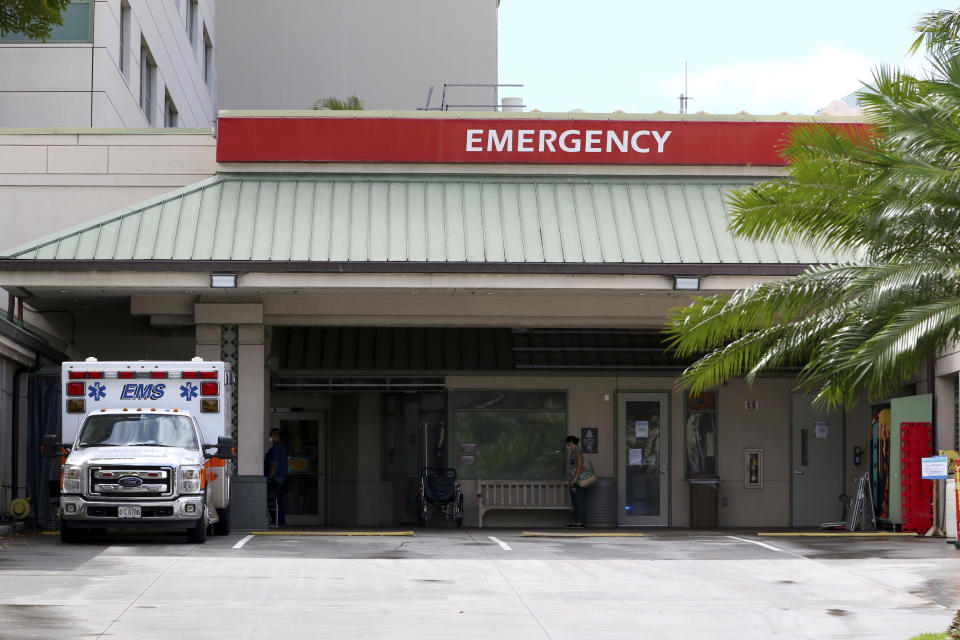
(822, 430)
(635, 457)
(641, 429)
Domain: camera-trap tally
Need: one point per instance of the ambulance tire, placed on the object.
(197, 534)
(69, 534)
(222, 526)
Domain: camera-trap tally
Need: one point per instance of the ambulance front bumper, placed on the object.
(178, 513)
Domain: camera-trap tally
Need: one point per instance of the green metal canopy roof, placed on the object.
(368, 219)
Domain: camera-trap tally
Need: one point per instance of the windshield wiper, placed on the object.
(149, 444)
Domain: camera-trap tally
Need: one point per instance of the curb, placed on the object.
(9, 529)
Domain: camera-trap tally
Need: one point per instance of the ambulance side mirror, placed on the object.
(226, 449)
(51, 447)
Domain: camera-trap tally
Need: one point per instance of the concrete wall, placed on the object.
(51, 180)
(81, 84)
(285, 55)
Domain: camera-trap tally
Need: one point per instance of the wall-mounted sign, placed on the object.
(468, 447)
(821, 430)
(934, 468)
(315, 138)
(466, 461)
(750, 405)
(588, 439)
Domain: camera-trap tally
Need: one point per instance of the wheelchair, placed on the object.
(440, 491)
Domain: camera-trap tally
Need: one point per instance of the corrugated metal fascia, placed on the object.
(97, 223)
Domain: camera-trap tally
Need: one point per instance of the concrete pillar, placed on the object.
(208, 341)
(214, 321)
(250, 444)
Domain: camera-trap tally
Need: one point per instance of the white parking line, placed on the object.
(757, 542)
(503, 544)
(242, 542)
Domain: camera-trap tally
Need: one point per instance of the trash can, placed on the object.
(601, 507)
(704, 489)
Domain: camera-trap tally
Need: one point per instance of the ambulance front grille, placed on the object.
(114, 481)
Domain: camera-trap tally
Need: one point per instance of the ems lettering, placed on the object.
(566, 141)
(143, 391)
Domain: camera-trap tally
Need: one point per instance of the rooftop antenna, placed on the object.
(684, 98)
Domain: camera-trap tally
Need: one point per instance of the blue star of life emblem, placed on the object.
(97, 391)
(188, 391)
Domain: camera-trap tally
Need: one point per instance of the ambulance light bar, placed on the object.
(129, 374)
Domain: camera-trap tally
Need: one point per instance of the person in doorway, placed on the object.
(275, 469)
(574, 469)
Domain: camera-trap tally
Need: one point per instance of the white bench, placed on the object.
(521, 494)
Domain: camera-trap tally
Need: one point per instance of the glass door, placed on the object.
(642, 428)
(304, 491)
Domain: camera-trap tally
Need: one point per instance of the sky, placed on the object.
(760, 57)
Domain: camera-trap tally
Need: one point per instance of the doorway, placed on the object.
(417, 424)
(305, 489)
(643, 424)
(817, 444)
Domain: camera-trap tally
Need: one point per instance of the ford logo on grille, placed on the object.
(130, 481)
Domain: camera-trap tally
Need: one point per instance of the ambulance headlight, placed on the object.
(71, 479)
(190, 479)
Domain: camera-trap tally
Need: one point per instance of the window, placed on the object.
(124, 39)
(207, 58)
(193, 20)
(148, 76)
(170, 116)
(77, 25)
(700, 435)
(515, 435)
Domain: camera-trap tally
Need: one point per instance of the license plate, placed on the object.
(128, 512)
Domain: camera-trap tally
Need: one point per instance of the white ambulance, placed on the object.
(139, 441)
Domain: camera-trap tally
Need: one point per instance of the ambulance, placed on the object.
(147, 446)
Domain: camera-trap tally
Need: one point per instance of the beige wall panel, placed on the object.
(30, 213)
(65, 68)
(77, 159)
(23, 159)
(767, 428)
(155, 159)
(8, 136)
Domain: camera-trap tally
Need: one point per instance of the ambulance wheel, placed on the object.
(69, 534)
(198, 532)
(222, 526)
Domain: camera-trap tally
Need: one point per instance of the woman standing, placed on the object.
(574, 469)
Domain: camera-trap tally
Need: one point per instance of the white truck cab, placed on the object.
(138, 439)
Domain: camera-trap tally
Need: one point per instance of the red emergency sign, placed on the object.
(501, 140)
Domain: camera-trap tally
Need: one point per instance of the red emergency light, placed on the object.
(158, 374)
(125, 375)
(207, 375)
(74, 388)
(209, 388)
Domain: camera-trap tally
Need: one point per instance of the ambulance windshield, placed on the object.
(132, 430)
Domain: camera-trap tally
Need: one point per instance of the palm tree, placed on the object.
(891, 205)
(353, 103)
